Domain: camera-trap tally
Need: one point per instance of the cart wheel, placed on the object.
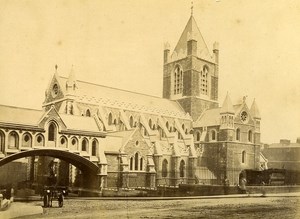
(60, 201)
(46, 201)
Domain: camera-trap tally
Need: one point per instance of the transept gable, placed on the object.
(243, 115)
(134, 143)
(52, 115)
(55, 90)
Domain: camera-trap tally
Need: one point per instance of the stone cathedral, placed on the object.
(139, 140)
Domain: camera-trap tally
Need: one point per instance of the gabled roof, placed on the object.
(210, 117)
(81, 123)
(128, 100)
(17, 115)
(191, 31)
(115, 141)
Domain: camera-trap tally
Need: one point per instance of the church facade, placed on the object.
(140, 140)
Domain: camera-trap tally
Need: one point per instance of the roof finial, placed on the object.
(192, 8)
(56, 68)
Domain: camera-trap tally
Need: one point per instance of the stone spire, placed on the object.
(254, 110)
(71, 82)
(227, 107)
(192, 32)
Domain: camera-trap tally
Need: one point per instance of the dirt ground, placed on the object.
(245, 207)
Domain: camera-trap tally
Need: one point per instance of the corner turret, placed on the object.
(227, 114)
(254, 111)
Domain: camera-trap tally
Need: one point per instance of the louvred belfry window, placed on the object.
(204, 80)
(178, 80)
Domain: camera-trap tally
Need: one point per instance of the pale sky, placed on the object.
(119, 43)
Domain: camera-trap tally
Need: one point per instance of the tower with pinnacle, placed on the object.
(190, 72)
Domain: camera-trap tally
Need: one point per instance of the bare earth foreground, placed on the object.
(245, 207)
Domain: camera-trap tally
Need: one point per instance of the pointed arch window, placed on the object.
(198, 135)
(244, 157)
(141, 163)
(51, 132)
(250, 136)
(131, 163)
(150, 123)
(204, 80)
(131, 122)
(94, 147)
(213, 135)
(238, 134)
(178, 80)
(164, 168)
(110, 119)
(136, 161)
(88, 113)
(13, 140)
(167, 125)
(84, 145)
(182, 168)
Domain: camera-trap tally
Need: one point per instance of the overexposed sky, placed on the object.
(119, 43)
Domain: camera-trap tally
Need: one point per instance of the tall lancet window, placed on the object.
(204, 80)
(178, 80)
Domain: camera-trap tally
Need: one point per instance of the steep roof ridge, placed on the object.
(254, 110)
(200, 34)
(227, 106)
(192, 31)
(134, 92)
(22, 108)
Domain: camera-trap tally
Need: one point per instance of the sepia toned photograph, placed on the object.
(149, 109)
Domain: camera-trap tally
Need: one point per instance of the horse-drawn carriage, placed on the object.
(54, 193)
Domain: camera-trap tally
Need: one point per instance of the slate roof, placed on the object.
(191, 30)
(80, 123)
(210, 117)
(127, 100)
(18, 115)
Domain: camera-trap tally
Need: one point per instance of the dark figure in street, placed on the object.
(52, 176)
(226, 186)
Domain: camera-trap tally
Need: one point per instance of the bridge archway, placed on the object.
(89, 169)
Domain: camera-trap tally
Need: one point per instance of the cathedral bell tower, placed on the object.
(190, 73)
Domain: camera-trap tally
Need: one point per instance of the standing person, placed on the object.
(242, 186)
(52, 176)
(226, 186)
